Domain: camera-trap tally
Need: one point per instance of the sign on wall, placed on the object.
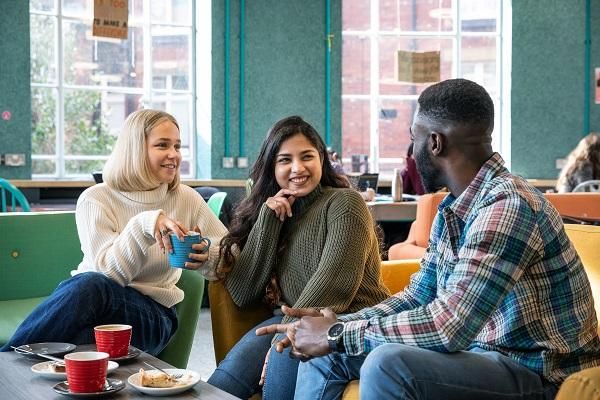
(110, 18)
(417, 67)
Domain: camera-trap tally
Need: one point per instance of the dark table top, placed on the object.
(17, 381)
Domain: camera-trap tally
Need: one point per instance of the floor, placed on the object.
(202, 357)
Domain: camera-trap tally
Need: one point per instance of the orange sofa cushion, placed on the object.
(579, 205)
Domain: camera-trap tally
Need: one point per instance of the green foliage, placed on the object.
(85, 121)
(43, 109)
(86, 129)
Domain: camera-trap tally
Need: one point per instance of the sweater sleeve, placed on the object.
(249, 276)
(113, 253)
(340, 271)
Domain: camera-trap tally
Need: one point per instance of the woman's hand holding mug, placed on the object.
(164, 226)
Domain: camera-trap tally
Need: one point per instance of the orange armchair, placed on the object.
(418, 237)
(576, 205)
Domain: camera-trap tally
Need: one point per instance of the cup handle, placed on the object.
(207, 241)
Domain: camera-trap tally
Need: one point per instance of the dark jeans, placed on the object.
(239, 373)
(86, 300)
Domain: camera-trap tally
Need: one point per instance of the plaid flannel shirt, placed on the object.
(499, 274)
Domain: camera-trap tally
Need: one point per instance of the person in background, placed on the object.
(335, 161)
(583, 164)
(501, 306)
(303, 238)
(124, 226)
(411, 180)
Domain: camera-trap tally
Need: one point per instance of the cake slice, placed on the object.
(57, 367)
(156, 379)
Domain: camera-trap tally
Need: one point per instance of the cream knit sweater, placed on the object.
(116, 231)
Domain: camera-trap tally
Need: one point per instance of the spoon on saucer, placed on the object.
(49, 357)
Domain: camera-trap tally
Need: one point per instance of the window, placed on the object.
(377, 109)
(84, 87)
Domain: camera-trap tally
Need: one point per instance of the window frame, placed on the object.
(501, 98)
(147, 91)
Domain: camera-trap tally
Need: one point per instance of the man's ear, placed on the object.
(436, 143)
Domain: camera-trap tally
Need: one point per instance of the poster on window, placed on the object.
(110, 18)
(417, 66)
(597, 85)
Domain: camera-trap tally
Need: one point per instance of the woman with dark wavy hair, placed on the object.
(583, 164)
(301, 238)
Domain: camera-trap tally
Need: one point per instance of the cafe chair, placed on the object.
(585, 385)
(230, 322)
(216, 202)
(17, 199)
(177, 352)
(588, 186)
(418, 237)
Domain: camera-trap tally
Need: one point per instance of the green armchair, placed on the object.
(37, 252)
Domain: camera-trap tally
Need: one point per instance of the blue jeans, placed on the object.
(397, 371)
(239, 373)
(89, 299)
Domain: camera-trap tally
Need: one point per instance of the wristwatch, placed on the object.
(334, 337)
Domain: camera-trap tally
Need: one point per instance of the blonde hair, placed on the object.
(587, 151)
(128, 168)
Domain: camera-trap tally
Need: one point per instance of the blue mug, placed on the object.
(182, 249)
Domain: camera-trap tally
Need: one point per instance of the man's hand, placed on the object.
(311, 333)
(288, 329)
(308, 336)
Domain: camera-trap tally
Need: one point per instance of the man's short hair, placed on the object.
(458, 101)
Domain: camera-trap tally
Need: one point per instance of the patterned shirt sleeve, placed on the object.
(480, 265)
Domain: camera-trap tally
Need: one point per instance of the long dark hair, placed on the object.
(265, 184)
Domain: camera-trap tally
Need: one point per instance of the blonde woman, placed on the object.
(583, 164)
(123, 225)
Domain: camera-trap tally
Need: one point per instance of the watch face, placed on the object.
(336, 329)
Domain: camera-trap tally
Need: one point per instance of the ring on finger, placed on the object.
(163, 232)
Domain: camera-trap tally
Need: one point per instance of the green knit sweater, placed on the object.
(331, 257)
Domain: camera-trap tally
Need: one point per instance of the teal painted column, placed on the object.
(226, 78)
(329, 38)
(242, 134)
(588, 70)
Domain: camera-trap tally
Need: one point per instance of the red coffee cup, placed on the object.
(86, 371)
(113, 339)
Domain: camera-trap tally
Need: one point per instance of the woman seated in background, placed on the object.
(123, 226)
(411, 180)
(336, 162)
(583, 164)
(302, 238)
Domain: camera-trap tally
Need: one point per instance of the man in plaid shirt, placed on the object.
(501, 306)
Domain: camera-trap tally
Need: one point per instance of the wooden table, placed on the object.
(17, 381)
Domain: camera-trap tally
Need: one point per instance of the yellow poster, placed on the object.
(110, 18)
(417, 67)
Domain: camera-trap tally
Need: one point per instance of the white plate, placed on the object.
(44, 370)
(192, 379)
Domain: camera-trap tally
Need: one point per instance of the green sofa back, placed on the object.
(37, 251)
